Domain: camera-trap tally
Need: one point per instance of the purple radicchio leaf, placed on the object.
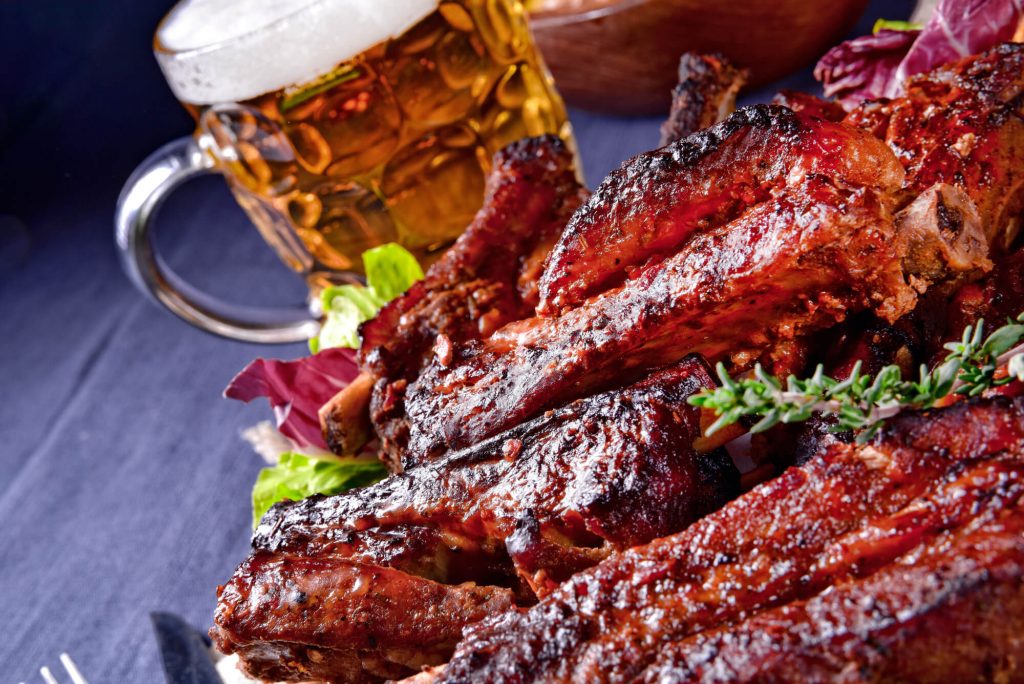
(959, 28)
(878, 65)
(297, 389)
(862, 68)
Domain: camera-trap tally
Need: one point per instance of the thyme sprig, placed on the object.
(861, 402)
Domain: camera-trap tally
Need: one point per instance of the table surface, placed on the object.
(124, 483)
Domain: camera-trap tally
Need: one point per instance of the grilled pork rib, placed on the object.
(524, 510)
(961, 125)
(614, 469)
(852, 518)
(486, 279)
(489, 276)
(326, 618)
(706, 94)
(958, 133)
(657, 201)
(950, 611)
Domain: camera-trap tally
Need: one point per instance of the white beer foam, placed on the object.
(218, 51)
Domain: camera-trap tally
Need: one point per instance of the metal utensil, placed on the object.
(69, 666)
(185, 652)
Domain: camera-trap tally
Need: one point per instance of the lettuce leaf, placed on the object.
(390, 271)
(345, 307)
(296, 390)
(877, 66)
(297, 476)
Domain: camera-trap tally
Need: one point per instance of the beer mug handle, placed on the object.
(150, 183)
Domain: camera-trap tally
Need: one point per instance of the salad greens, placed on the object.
(877, 65)
(390, 271)
(297, 389)
(297, 476)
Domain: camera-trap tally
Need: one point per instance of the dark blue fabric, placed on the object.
(184, 651)
(123, 482)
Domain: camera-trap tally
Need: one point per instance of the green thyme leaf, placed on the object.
(862, 403)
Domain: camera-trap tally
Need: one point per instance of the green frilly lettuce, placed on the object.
(390, 271)
(297, 476)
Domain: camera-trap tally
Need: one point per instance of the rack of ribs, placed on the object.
(820, 244)
(704, 246)
(530, 397)
(469, 533)
(879, 562)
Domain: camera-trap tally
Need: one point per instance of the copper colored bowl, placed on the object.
(620, 56)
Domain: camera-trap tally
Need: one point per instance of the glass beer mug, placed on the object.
(339, 125)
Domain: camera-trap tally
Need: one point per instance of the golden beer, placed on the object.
(389, 145)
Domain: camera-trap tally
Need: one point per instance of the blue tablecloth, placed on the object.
(123, 481)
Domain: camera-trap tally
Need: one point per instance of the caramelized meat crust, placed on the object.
(301, 618)
(488, 278)
(812, 105)
(961, 125)
(612, 470)
(512, 516)
(950, 611)
(787, 266)
(850, 518)
(657, 201)
(706, 94)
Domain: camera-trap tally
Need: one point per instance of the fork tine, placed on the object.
(47, 676)
(73, 671)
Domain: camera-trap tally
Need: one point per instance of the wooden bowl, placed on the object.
(620, 56)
